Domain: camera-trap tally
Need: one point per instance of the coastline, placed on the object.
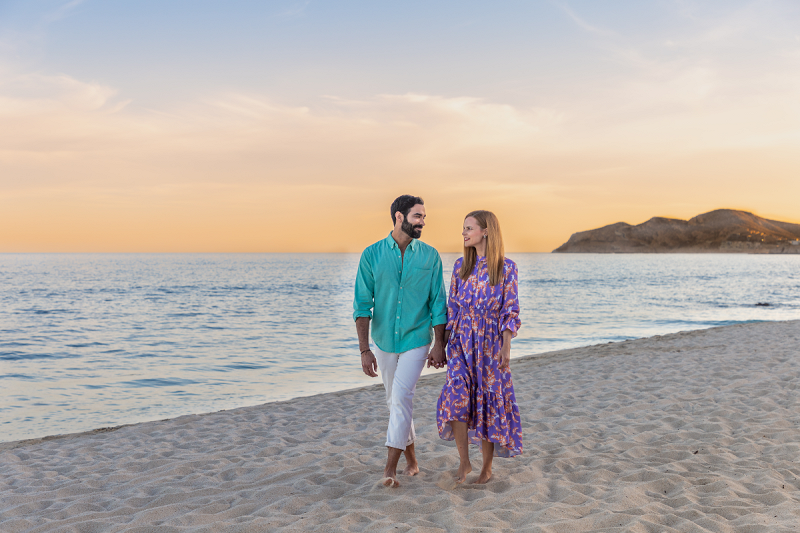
(690, 431)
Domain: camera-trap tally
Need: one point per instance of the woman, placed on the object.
(477, 402)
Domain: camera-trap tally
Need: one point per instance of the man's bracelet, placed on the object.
(367, 350)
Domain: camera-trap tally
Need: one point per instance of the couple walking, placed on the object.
(400, 291)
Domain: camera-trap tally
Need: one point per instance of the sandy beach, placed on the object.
(694, 431)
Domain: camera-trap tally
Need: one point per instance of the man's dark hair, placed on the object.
(404, 204)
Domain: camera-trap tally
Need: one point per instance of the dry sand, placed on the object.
(696, 431)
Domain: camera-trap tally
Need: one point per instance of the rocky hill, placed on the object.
(723, 230)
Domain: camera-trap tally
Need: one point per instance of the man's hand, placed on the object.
(369, 364)
(436, 357)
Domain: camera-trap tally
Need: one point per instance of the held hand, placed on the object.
(436, 357)
(505, 358)
(369, 364)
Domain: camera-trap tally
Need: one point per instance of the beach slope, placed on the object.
(689, 432)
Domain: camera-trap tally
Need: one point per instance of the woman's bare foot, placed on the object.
(463, 470)
(487, 450)
(483, 478)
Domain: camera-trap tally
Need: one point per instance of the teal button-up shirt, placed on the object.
(404, 296)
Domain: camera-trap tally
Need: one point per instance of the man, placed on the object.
(400, 289)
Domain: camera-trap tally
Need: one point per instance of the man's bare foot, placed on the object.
(390, 478)
(483, 478)
(390, 482)
(463, 470)
(411, 470)
(412, 466)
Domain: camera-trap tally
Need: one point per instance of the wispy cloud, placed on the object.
(63, 10)
(37, 93)
(293, 10)
(582, 23)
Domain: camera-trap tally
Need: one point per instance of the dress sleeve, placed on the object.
(452, 299)
(509, 313)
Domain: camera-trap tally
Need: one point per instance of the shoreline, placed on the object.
(689, 431)
(11, 445)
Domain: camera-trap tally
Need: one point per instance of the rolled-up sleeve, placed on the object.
(509, 313)
(437, 297)
(365, 288)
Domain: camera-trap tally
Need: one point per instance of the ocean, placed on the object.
(99, 340)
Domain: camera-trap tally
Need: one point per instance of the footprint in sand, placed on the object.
(446, 481)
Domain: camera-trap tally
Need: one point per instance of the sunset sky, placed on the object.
(278, 126)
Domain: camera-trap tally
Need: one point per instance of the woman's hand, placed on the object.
(505, 358)
(505, 351)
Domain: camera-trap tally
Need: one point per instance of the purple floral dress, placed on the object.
(476, 391)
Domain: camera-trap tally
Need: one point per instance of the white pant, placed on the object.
(400, 373)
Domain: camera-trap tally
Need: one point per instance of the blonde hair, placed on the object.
(495, 254)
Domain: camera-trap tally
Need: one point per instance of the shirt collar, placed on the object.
(393, 243)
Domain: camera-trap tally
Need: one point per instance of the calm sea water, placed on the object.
(90, 341)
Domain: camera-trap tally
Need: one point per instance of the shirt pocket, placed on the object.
(387, 272)
(420, 281)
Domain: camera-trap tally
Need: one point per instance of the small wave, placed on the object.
(103, 290)
(177, 289)
(22, 356)
(86, 345)
(19, 356)
(534, 281)
(700, 324)
(245, 366)
(159, 382)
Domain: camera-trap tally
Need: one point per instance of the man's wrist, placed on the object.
(365, 351)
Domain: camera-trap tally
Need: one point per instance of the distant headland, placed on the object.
(720, 231)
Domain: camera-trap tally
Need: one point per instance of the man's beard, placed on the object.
(412, 231)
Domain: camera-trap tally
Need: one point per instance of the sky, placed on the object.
(286, 126)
